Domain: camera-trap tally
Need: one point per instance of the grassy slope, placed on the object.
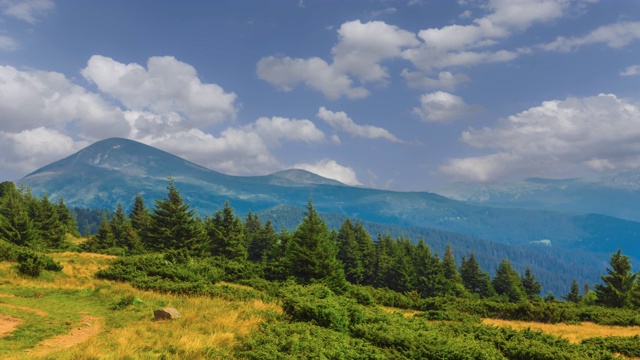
(207, 329)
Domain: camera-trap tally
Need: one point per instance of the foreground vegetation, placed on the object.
(246, 291)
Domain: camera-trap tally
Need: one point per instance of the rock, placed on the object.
(68, 323)
(166, 314)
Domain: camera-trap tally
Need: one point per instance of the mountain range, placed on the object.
(114, 170)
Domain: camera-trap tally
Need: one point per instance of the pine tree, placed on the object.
(312, 254)
(349, 253)
(620, 288)
(385, 247)
(103, 239)
(16, 225)
(123, 233)
(367, 253)
(47, 223)
(450, 269)
(474, 279)
(139, 215)
(66, 218)
(531, 286)
(507, 282)
(226, 234)
(172, 225)
(573, 295)
(401, 275)
(430, 279)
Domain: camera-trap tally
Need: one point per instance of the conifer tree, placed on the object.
(401, 275)
(139, 215)
(101, 240)
(531, 286)
(619, 288)
(123, 233)
(507, 282)
(226, 234)
(430, 279)
(454, 281)
(16, 225)
(46, 221)
(66, 218)
(312, 254)
(474, 279)
(573, 295)
(367, 253)
(384, 247)
(349, 253)
(172, 225)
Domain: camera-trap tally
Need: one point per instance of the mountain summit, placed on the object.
(113, 171)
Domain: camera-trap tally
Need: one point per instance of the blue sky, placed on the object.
(403, 95)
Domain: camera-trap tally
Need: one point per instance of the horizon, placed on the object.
(392, 95)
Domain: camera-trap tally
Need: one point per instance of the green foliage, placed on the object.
(627, 346)
(226, 234)
(32, 264)
(532, 287)
(620, 288)
(474, 279)
(507, 282)
(312, 254)
(573, 295)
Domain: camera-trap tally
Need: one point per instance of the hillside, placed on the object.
(115, 170)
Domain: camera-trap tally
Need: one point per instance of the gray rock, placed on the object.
(166, 314)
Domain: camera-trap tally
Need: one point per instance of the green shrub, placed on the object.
(627, 346)
(32, 264)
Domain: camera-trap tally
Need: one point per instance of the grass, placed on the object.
(573, 333)
(208, 327)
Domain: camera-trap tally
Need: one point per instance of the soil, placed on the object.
(89, 327)
(8, 324)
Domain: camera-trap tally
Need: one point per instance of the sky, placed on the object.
(406, 95)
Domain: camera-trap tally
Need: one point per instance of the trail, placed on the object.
(8, 324)
(89, 327)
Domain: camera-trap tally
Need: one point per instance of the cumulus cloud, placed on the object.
(358, 54)
(47, 117)
(166, 85)
(555, 139)
(614, 36)
(445, 80)
(26, 10)
(631, 70)
(443, 107)
(340, 121)
(331, 169)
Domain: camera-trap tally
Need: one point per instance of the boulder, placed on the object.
(166, 314)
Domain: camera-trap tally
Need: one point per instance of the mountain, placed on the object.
(614, 194)
(115, 170)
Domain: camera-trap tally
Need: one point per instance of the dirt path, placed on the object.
(24, 308)
(89, 327)
(8, 324)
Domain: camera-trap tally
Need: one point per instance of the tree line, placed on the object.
(310, 254)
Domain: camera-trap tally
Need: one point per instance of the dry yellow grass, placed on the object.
(208, 328)
(573, 333)
(405, 312)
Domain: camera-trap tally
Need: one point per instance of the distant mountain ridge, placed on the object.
(115, 170)
(614, 194)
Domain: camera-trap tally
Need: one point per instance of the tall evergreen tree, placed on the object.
(430, 279)
(474, 279)
(367, 253)
(401, 276)
(312, 254)
(349, 253)
(507, 282)
(139, 215)
(385, 247)
(172, 225)
(46, 221)
(66, 218)
(226, 234)
(454, 281)
(573, 295)
(16, 225)
(531, 286)
(619, 288)
(123, 233)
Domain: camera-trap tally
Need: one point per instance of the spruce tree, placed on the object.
(172, 225)
(46, 221)
(312, 254)
(507, 282)
(123, 233)
(401, 276)
(474, 279)
(367, 253)
(139, 215)
(349, 253)
(454, 286)
(430, 279)
(531, 286)
(619, 288)
(226, 234)
(16, 226)
(573, 295)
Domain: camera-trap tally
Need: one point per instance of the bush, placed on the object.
(32, 264)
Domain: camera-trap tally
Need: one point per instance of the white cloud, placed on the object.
(27, 10)
(7, 43)
(555, 139)
(631, 70)
(359, 52)
(167, 85)
(286, 73)
(443, 107)
(275, 129)
(331, 169)
(383, 12)
(340, 120)
(445, 80)
(615, 36)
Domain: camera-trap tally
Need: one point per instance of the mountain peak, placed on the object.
(300, 176)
